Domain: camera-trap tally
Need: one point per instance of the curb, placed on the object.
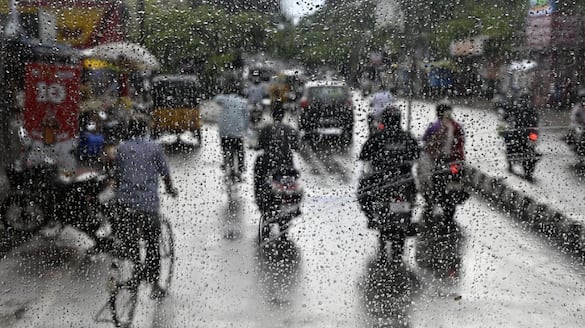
(564, 233)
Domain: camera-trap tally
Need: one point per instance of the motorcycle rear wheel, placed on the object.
(22, 214)
(529, 167)
(263, 231)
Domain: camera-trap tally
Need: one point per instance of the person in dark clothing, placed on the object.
(519, 116)
(391, 153)
(391, 150)
(138, 165)
(91, 144)
(277, 142)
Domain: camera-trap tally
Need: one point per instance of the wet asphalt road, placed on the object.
(326, 274)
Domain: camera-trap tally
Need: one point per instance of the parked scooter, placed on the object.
(282, 203)
(40, 196)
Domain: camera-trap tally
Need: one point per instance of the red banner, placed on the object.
(51, 105)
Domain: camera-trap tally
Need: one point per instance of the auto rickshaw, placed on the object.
(286, 87)
(176, 115)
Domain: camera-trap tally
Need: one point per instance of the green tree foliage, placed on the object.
(501, 23)
(336, 35)
(342, 32)
(208, 35)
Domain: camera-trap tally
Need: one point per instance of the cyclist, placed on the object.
(138, 164)
(277, 140)
(233, 125)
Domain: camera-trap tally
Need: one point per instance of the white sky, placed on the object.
(387, 12)
(298, 8)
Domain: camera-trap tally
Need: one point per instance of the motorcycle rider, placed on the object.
(255, 92)
(380, 100)
(578, 110)
(519, 117)
(138, 164)
(392, 153)
(443, 142)
(277, 142)
(91, 143)
(574, 136)
(233, 125)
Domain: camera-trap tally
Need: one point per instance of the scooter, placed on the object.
(282, 203)
(40, 197)
(390, 201)
(440, 236)
(520, 146)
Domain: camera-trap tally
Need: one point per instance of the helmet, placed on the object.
(442, 108)
(391, 118)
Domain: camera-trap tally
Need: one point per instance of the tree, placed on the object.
(499, 23)
(208, 36)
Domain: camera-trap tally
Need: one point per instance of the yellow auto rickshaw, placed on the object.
(176, 116)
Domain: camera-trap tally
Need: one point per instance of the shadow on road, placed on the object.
(324, 158)
(279, 262)
(387, 289)
(232, 218)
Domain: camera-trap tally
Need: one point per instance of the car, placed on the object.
(327, 112)
(176, 116)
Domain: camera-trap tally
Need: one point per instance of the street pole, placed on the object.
(410, 55)
(409, 102)
(140, 13)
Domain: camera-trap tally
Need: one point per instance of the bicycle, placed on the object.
(127, 275)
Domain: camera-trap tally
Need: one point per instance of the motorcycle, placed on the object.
(41, 197)
(282, 202)
(520, 144)
(389, 201)
(440, 236)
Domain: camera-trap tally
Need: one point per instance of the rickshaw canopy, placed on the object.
(135, 55)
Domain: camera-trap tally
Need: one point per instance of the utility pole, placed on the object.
(410, 51)
(140, 13)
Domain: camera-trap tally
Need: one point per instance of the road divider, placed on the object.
(554, 226)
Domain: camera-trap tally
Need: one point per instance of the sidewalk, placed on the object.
(550, 119)
(554, 206)
(550, 209)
